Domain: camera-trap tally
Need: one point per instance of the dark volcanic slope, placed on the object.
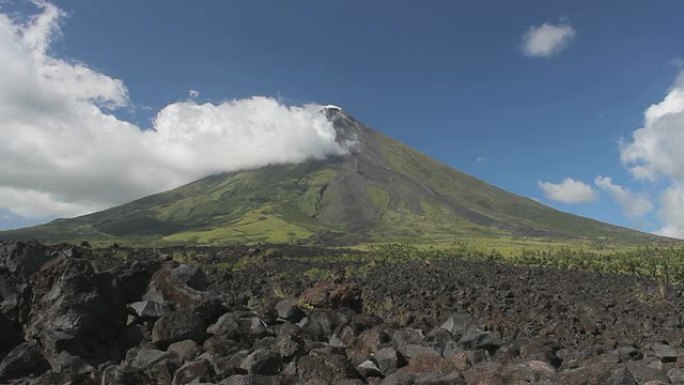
(242, 315)
(383, 191)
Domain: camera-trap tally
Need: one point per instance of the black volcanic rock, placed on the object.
(183, 324)
(76, 309)
(22, 361)
(450, 322)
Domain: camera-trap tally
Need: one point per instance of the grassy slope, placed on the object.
(385, 193)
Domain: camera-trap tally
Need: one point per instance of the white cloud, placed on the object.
(655, 151)
(547, 39)
(672, 213)
(568, 191)
(65, 154)
(634, 205)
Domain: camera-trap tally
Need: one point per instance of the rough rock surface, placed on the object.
(92, 316)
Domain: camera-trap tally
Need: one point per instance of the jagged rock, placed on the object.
(389, 360)
(23, 361)
(135, 278)
(10, 336)
(262, 362)
(184, 350)
(67, 363)
(238, 325)
(251, 379)
(333, 295)
(326, 368)
(183, 324)
(412, 350)
(553, 335)
(408, 336)
(166, 287)
(399, 379)
(191, 275)
(57, 378)
(453, 378)
(370, 341)
(458, 323)
(665, 352)
(476, 338)
(220, 346)
(290, 347)
(287, 309)
(629, 352)
(76, 309)
(428, 363)
(145, 358)
(319, 324)
(592, 371)
(644, 373)
(676, 375)
(620, 376)
(193, 372)
(23, 259)
(368, 368)
(147, 309)
(114, 375)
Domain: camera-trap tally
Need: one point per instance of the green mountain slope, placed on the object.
(383, 191)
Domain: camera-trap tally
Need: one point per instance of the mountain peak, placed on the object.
(383, 191)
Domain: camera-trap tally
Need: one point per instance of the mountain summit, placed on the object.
(382, 191)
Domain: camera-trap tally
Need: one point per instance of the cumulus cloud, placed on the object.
(655, 151)
(64, 153)
(634, 205)
(568, 191)
(547, 39)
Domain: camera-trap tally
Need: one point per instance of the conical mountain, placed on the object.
(383, 191)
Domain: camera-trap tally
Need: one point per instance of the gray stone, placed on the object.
(399, 379)
(191, 275)
(620, 376)
(145, 358)
(453, 378)
(288, 310)
(457, 324)
(67, 363)
(184, 350)
(262, 362)
(665, 352)
(180, 325)
(643, 373)
(676, 375)
(147, 309)
(389, 360)
(368, 368)
(193, 372)
(22, 361)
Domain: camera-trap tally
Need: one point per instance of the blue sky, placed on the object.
(450, 78)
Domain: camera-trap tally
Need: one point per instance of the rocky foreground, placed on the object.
(240, 315)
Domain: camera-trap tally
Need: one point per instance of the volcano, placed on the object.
(382, 191)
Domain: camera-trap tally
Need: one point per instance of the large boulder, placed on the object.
(10, 336)
(23, 361)
(332, 295)
(177, 286)
(18, 261)
(239, 325)
(325, 368)
(263, 361)
(76, 310)
(183, 324)
(23, 259)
